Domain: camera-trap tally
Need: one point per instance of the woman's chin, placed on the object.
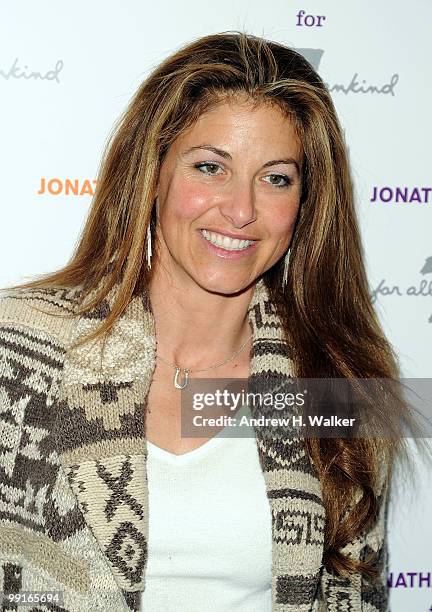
(224, 285)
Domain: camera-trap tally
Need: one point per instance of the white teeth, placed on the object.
(230, 244)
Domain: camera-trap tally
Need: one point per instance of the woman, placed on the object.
(222, 243)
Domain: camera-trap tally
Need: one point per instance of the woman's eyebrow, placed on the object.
(226, 155)
(220, 152)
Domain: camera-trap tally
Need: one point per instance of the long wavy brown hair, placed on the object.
(326, 308)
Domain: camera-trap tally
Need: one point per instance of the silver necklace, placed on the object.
(186, 371)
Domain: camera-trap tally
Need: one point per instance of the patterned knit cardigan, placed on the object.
(73, 480)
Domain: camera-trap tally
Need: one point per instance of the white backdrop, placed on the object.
(67, 70)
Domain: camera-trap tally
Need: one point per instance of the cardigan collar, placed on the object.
(100, 437)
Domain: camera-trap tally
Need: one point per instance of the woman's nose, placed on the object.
(238, 205)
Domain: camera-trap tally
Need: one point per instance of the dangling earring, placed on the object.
(149, 247)
(285, 270)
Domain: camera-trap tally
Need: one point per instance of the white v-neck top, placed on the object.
(209, 530)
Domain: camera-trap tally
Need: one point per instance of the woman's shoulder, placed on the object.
(47, 309)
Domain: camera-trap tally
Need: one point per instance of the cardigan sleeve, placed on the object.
(358, 593)
(30, 373)
(45, 542)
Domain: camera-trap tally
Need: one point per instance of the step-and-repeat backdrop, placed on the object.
(67, 70)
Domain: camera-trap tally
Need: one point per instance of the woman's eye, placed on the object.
(207, 165)
(278, 178)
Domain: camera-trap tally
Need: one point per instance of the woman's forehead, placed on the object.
(242, 118)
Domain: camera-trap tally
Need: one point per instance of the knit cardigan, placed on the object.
(73, 480)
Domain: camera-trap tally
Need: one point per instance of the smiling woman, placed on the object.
(222, 243)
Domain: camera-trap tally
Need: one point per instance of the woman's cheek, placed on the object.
(191, 201)
(283, 218)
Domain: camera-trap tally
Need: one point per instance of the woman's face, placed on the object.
(228, 197)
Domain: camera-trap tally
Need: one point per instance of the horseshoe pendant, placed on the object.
(177, 385)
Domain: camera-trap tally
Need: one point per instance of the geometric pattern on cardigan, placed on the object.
(73, 481)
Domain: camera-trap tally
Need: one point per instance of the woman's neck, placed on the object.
(194, 327)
